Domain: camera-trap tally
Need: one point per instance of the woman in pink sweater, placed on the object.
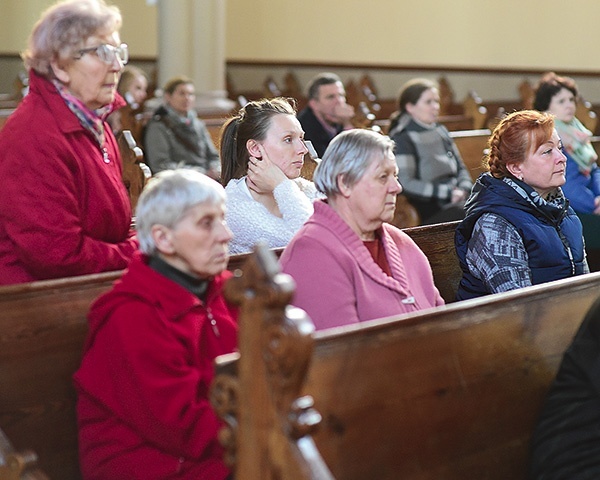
(348, 263)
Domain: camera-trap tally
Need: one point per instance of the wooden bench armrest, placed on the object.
(17, 465)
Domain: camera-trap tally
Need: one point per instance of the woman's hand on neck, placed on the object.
(263, 175)
(262, 178)
(264, 197)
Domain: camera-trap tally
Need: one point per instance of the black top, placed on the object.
(197, 286)
(314, 131)
(566, 441)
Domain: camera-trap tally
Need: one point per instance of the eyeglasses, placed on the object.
(107, 53)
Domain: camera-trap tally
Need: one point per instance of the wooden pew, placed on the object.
(134, 176)
(587, 115)
(472, 145)
(472, 117)
(43, 327)
(471, 114)
(437, 243)
(451, 392)
(292, 88)
(405, 214)
(134, 120)
(17, 465)
(4, 114)
(214, 125)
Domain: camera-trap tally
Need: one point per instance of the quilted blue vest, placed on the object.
(552, 236)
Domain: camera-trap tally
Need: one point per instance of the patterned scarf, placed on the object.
(555, 199)
(91, 120)
(576, 140)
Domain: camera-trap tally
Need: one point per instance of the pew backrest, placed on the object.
(472, 145)
(437, 243)
(452, 392)
(43, 327)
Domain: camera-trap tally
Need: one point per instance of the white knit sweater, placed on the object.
(251, 222)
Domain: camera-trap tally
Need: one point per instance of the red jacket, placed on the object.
(143, 409)
(64, 211)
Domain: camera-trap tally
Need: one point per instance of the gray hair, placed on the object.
(64, 28)
(348, 156)
(167, 197)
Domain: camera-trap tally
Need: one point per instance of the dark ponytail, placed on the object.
(251, 123)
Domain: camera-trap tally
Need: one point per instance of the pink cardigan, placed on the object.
(339, 283)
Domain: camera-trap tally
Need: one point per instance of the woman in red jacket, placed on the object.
(64, 209)
(143, 408)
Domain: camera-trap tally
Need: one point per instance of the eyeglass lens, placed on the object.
(107, 53)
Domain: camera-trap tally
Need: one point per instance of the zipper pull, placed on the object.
(213, 322)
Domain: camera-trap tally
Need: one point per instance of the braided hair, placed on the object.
(517, 134)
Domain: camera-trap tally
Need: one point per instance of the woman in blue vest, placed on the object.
(519, 229)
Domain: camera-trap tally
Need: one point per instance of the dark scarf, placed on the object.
(182, 127)
(197, 286)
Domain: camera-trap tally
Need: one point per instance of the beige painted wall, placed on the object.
(17, 18)
(529, 34)
(507, 33)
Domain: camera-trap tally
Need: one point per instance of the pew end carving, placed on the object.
(586, 115)
(293, 89)
(474, 109)
(132, 157)
(447, 105)
(270, 88)
(17, 465)
(268, 433)
(526, 94)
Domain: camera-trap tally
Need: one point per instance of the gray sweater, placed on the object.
(164, 149)
(429, 164)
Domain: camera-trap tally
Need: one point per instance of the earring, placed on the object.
(521, 177)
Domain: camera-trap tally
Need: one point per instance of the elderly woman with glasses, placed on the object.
(64, 209)
(349, 264)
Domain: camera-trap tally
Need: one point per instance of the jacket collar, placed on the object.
(39, 85)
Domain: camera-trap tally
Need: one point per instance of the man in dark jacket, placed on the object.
(327, 112)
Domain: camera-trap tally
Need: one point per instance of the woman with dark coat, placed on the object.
(519, 229)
